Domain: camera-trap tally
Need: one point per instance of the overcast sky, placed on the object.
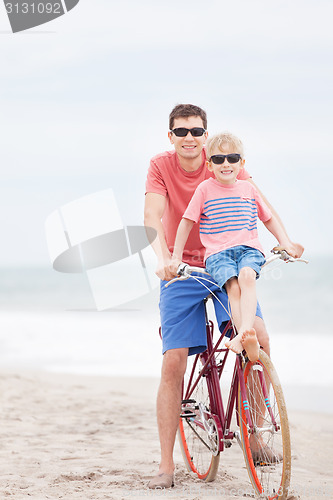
(85, 100)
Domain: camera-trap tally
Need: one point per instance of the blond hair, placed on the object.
(217, 141)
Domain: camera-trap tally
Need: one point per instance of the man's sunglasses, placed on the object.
(182, 132)
(219, 159)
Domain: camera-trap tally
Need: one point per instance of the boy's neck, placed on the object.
(225, 183)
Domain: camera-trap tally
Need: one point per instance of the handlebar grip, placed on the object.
(181, 271)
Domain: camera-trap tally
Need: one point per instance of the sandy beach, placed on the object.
(79, 437)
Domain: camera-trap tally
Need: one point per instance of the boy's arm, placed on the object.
(183, 232)
(274, 226)
(153, 212)
(296, 248)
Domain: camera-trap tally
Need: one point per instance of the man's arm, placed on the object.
(182, 235)
(153, 213)
(296, 248)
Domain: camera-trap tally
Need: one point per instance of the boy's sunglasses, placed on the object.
(219, 159)
(182, 132)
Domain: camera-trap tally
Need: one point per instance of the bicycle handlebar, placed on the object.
(184, 271)
(280, 253)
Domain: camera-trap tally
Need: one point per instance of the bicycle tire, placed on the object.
(270, 477)
(193, 439)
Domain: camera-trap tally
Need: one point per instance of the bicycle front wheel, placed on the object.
(265, 443)
(199, 444)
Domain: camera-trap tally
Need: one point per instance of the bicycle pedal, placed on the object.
(187, 414)
(188, 401)
(261, 463)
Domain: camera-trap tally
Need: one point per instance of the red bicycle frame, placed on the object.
(212, 371)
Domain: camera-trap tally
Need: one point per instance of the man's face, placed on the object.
(188, 147)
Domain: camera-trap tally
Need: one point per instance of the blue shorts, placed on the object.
(182, 314)
(228, 263)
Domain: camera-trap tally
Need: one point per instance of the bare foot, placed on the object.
(262, 452)
(251, 344)
(235, 344)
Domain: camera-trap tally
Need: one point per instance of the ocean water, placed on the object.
(49, 322)
(295, 297)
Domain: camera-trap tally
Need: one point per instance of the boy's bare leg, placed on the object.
(248, 306)
(169, 404)
(234, 295)
(248, 298)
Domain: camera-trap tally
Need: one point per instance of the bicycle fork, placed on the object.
(243, 392)
(253, 429)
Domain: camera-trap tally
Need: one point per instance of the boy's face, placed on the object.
(227, 172)
(188, 147)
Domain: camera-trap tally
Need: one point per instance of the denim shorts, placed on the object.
(183, 317)
(226, 264)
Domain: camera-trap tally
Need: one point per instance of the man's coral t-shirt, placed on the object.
(168, 178)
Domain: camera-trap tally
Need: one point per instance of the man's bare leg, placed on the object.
(263, 339)
(262, 334)
(169, 404)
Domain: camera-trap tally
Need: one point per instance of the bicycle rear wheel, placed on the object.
(267, 450)
(199, 447)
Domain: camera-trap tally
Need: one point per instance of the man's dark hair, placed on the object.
(185, 111)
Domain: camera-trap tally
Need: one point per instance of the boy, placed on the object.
(227, 209)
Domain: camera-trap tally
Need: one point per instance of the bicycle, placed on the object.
(255, 394)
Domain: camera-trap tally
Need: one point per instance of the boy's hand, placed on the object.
(293, 249)
(298, 250)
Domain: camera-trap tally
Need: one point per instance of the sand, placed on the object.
(78, 437)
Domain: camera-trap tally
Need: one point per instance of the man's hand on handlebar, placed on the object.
(167, 269)
(173, 267)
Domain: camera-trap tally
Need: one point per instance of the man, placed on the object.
(171, 181)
